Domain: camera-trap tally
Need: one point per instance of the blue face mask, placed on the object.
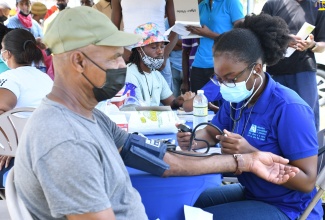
(238, 93)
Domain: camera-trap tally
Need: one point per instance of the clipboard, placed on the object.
(304, 32)
(185, 14)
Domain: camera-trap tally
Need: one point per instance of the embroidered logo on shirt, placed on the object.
(320, 5)
(2, 81)
(257, 132)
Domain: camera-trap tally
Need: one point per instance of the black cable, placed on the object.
(205, 154)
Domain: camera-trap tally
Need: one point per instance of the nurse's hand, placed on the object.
(232, 143)
(183, 139)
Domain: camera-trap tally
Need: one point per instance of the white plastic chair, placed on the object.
(320, 182)
(16, 207)
(11, 126)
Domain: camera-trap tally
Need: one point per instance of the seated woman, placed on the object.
(142, 71)
(259, 114)
(22, 85)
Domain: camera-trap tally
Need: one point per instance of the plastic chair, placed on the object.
(320, 182)
(11, 126)
(16, 207)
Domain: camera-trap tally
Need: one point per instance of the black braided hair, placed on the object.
(258, 36)
(135, 58)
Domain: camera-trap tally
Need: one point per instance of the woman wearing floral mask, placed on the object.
(259, 115)
(146, 58)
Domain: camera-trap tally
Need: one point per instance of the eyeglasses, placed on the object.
(230, 82)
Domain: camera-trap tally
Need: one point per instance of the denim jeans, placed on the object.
(305, 85)
(177, 81)
(228, 202)
(4, 170)
(167, 74)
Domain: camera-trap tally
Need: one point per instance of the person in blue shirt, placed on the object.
(259, 115)
(216, 17)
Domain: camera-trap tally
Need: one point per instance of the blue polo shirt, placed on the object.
(212, 91)
(219, 18)
(281, 123)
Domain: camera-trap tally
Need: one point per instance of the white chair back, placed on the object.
(11, 126)
(16, 207)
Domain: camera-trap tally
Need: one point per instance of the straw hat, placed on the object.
(38, 8)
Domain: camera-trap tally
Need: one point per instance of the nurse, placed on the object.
(259, 115)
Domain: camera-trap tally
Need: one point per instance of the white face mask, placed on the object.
(3, 60)
(238, 93)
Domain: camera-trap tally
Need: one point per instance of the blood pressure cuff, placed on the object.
(144, 154)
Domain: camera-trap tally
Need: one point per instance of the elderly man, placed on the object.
(68, 164)
(23, 19)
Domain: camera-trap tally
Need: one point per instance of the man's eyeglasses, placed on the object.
(230, 82)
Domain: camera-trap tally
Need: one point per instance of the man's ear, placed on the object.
(77, 61)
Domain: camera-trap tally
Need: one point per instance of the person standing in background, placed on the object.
(24, 20)
(60, 5)
(38, 12)
(189, 47)
(216, 17)
(88, 3)
(105, 6)
(138, 12)
(4, 11)
(298, 72)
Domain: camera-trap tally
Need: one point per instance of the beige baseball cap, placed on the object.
(81, 26)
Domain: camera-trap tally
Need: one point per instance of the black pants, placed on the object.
(199, 77)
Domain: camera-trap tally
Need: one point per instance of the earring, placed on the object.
(254, 71)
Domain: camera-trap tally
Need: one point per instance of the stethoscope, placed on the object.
(233, 109)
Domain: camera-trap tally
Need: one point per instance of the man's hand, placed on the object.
(188, 96)
(4, 161)
(270, 167)
(232, 143)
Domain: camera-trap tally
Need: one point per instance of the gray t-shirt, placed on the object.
(68, 164)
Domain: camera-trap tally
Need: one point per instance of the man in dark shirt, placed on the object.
(298, 71)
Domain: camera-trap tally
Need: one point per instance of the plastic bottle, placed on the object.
(200, 109)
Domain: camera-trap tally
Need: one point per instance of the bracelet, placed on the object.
(240, 163)
(313, 48)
